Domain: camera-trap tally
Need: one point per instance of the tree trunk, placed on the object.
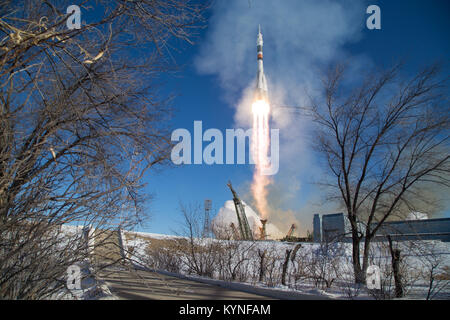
(262, 255)
(395, 255)
(359, 274)
(367, 241)
(285, 265)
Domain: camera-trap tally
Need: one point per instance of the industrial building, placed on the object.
(336, 227)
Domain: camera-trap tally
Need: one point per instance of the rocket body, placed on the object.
(260, 137)
(261, 84)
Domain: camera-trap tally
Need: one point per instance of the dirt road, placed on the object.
(138, 285)
(131, 284)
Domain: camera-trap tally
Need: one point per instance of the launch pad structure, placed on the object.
(246, 232)
(263, 229)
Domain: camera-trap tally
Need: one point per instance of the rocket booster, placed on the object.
(261, 84)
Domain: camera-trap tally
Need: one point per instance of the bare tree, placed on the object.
(285, 266)
(430, 260)
(201, 254)
(272, 266)
(166, 255)
(262, 264)
(323, 267)
(224, 232)
(382, 142)
(234, 257)
(396, 260)
(81, 120)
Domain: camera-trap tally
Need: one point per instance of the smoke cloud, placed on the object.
(300, 39)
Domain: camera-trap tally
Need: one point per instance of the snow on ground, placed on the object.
(154, 235)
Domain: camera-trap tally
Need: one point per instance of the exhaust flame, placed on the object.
(260, 148)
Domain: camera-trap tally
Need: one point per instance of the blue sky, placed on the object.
(414, 31)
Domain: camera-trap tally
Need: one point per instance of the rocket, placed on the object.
(261, 84)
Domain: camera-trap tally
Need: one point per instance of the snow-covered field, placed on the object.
(312, 268)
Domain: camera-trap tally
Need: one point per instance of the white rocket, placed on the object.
(261, 84)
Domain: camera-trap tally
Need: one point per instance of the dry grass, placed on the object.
(445, 275)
